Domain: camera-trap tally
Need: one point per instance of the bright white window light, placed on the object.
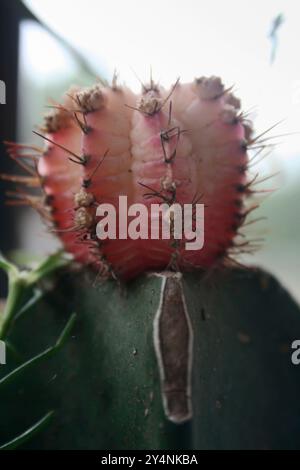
(42, 57)
(188, 38)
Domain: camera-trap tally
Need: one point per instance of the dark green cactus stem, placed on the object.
(119, 378)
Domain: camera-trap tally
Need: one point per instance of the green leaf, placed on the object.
(52, 263)
(20, 281)
(37, 295)
(66, 331)
(8, 267)
(29, 433)
(41, 356)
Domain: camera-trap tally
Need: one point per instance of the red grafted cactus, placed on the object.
(185, 145)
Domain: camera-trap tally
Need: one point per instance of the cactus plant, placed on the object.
(167, 361)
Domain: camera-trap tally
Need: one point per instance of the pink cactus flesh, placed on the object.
(183, 145)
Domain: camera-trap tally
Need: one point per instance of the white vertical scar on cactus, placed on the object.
(173, 344)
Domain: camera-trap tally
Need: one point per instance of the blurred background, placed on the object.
(48, 45)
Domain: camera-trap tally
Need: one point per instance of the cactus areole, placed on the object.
(183, 148)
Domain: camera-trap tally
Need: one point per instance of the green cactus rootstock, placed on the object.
(113, 383)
